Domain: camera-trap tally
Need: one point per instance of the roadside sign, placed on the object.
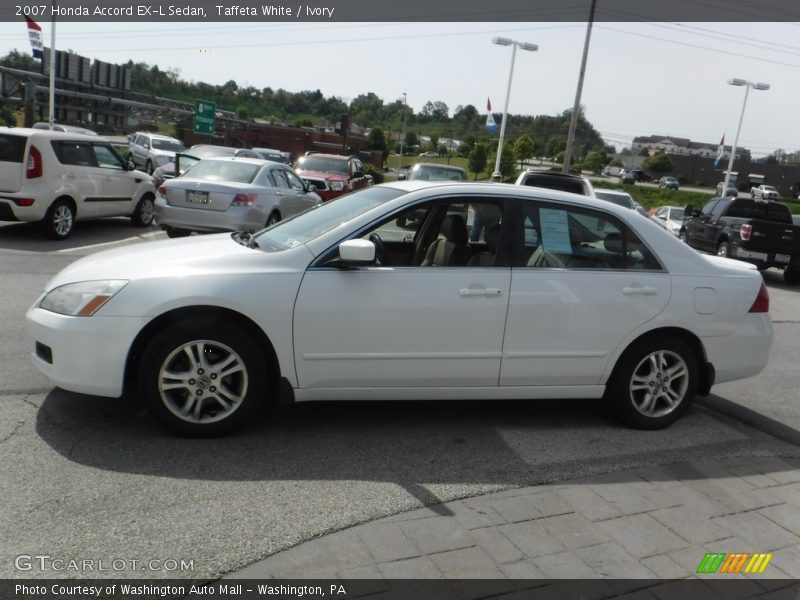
(205, 116)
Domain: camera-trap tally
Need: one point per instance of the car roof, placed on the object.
(612, 192)
(438, 166)
(242, 159)
(157, 136)
(319, 154)
(30, 132)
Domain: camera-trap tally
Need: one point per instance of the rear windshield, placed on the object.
(224, 170)
(12, 148)
(768, 211)
(167, 145)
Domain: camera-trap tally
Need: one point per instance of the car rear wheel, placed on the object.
(724, 249)
(149, 167)
(174, 232)
(203, 377)
(60, 219)
(275, 217)
(144, 212)
(654, 383)
(791, 276)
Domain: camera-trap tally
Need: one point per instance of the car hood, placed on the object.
(321, 174)
(186, 257)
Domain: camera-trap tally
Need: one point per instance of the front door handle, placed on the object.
(638, 289)
(490, 292)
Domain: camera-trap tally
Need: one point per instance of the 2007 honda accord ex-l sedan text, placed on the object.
(409, 290)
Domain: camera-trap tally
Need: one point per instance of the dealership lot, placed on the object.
(90, 478)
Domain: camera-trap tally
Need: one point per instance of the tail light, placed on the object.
(746, 231)
(162, 191)
(34, 168)
(244, 200)
(761, 304)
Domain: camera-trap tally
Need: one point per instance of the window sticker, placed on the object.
(555, 230)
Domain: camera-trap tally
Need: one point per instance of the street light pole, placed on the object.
(402, 136)
(501, 41)
(747, 85)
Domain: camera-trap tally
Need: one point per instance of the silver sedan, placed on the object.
(231, 194)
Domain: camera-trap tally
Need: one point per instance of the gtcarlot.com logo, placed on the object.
(45, 562)
(735, 562)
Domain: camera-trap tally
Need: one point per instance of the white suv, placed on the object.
(556, 180)
(58, 178)
(151, 150)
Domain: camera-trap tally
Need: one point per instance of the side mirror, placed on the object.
(356, 252)
(688, 211)
(146, 146)
(309, 187)
(358, 174)
(130, 165)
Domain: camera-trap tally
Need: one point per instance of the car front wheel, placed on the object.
(143, 213)
(203, 377)
(654, 383)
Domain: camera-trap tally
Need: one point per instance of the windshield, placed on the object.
(321, 163)
(323, 218)
(167, 145)
(769, 188)
(224, 170)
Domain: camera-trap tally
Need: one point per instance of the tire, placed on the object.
(60, 220)
(173, 232)
(144, 212)
(203, 377)
(791, 276)
(682, 237)
(274, 217)
(724, 249)
(148, 166)
(633, 392)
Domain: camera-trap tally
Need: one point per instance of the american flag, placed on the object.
(720, 150)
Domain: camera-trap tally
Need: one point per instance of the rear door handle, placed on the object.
(641, 290)
(491, 292)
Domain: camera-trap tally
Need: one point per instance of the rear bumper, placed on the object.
(11, 211)
(744, 353)
(236, 218)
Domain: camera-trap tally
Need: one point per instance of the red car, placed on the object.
(333, 175)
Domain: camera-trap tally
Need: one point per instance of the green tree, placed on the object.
(555, 145)
(376, 140)
(658, 164)
(524, 148)
(594, 161)
(507, 161)
(477, 159)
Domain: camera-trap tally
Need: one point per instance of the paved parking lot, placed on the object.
(90, 478)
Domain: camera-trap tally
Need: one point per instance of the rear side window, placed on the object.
(12, 148)
(74, 153)
(554, 183)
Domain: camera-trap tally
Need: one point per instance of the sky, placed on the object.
(641, 78)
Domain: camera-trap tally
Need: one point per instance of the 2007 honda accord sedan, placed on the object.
(402, 291)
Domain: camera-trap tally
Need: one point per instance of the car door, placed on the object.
(403, 325)
(302, 199)
(697, 226)
(137, 150)
(119, 184)
(582, 282)
(287, 199)
(82, 177)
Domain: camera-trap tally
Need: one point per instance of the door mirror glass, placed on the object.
(688, 211)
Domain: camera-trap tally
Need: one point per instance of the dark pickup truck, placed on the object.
(758, 232)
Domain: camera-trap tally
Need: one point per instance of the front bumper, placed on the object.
(82, 354)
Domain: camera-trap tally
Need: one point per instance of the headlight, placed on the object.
(336, 186)
(81, 299)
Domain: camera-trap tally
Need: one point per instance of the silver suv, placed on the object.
(151, 150)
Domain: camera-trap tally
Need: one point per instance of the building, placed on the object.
(682, 146)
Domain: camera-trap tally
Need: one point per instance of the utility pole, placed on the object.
(574, 120)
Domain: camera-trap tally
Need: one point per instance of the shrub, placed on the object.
(377, 175)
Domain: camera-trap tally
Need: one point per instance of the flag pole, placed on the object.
(52, 103)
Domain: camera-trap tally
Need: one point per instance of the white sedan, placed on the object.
(381, 295)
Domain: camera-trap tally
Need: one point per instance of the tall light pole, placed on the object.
(502, 41)
(747, 85)
(573, 122)
(402, 136)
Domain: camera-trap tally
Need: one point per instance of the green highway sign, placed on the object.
(205, 116)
